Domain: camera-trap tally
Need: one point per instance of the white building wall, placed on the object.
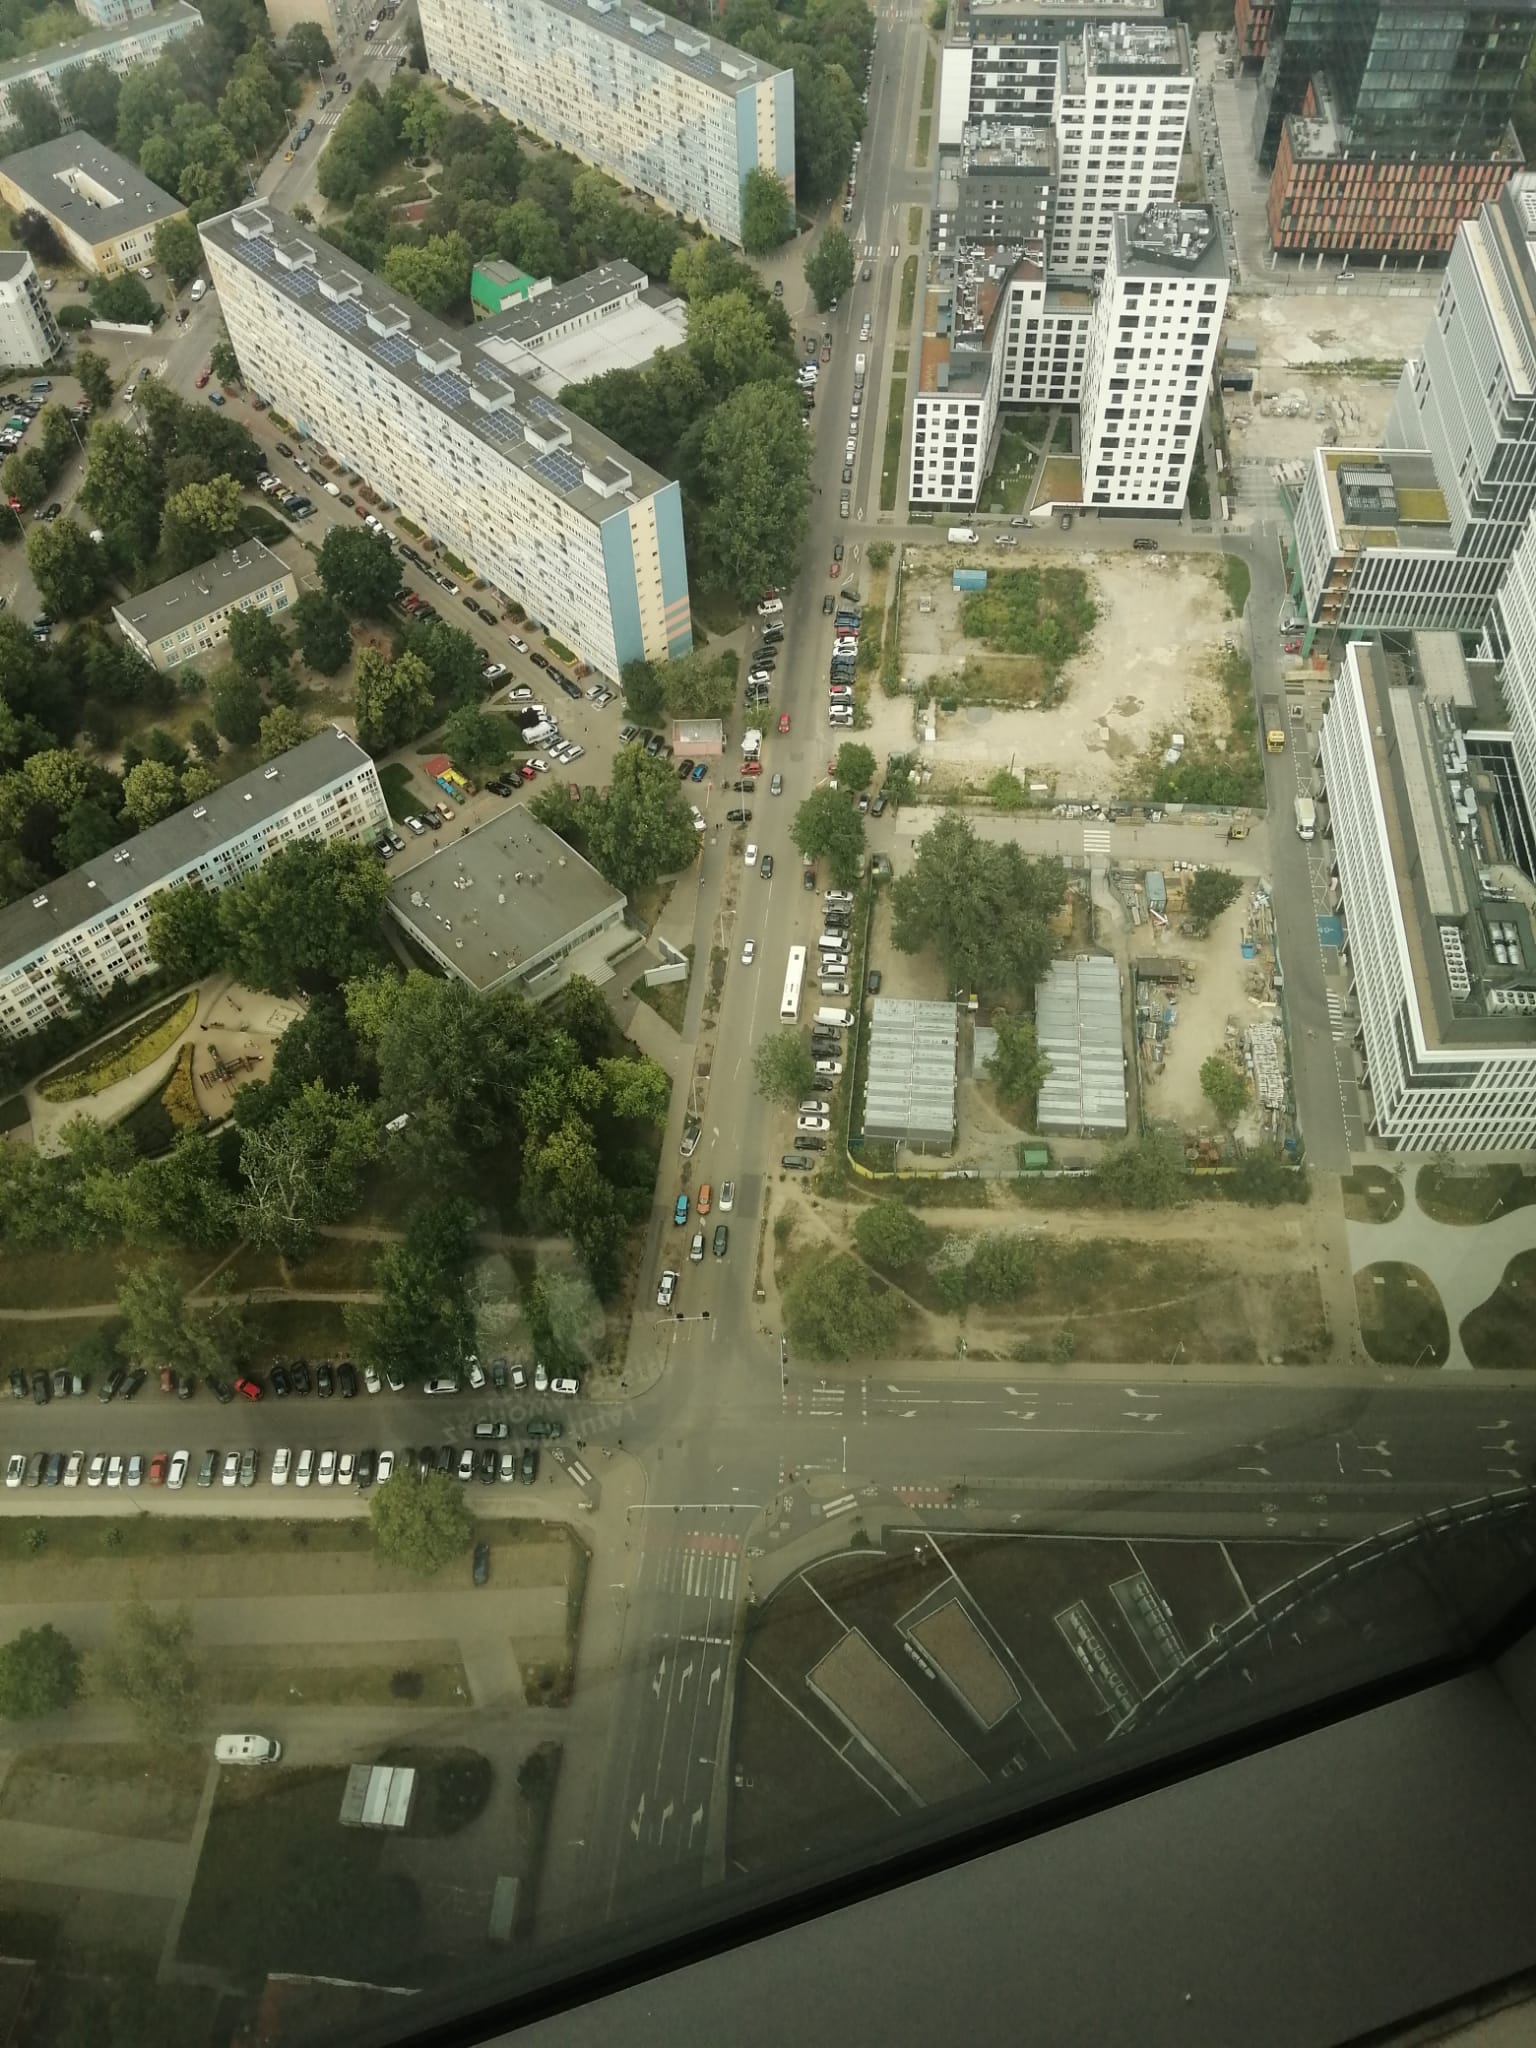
(1042, 350)
(115, 945)
(1151, 349)
(954, 94)
(28, 333)
(952, 437)
(140, 42)
(1118, 142)
(1465, 1099)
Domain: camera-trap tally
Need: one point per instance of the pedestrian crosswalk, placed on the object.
(699, 1564)
(1336, 1015)
(1096, 841)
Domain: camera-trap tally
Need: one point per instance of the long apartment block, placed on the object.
(122, 46)
(553, 513)
(1417, 535)
(92, 925)
(656, 103)
(1439, 938)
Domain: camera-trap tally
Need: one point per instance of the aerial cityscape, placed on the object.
(575, 1359)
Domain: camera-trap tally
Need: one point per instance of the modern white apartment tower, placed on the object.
(1439, 941)
(1002, 58)
(1122, 107)
(29, 335)
(92, 925)
(1151, 349)
(639, 94)
(554, 514)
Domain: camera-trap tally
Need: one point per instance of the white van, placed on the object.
(532, 734)
(840, 1020)
(199, 291)
(832, 942)
(246, 1749)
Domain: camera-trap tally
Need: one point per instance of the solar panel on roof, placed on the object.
(344, 313)
(302, 282)
(445, 387)
(260, 253)
(394, 349)
(546, 407)
(559, 469)
(502, 426)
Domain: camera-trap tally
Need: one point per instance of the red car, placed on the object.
(157, 1465)
(751, 767)
(527, 771)
(202, 378)
(783, 721)
(1292, 647)
(836, 569)
(250, 1388)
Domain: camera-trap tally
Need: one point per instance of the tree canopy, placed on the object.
(767, 213)
(148, 1662)
(1018, 1067)
(358, 568)
(641, 828)
(39, 1673)
(835, 1308)
(782, 1067)
(421, 1524)
(983, 905)
(1209, 892)
(828, 826)
(829, 268)
(1224, 1086)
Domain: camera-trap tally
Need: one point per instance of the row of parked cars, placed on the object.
(294, 503)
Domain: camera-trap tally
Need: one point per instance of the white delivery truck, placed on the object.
(1306, 818)
(965, 536)
(247, 1749)
(199, 291)
(840, 1020)
(752, 743)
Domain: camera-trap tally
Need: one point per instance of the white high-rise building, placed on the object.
(29, 335)
(1439, 937)
(1151, 349)
(1122, 106)
(92, 925)
(1002, 58)
(553, 513)
(658, 104)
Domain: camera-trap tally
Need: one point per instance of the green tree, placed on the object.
(835, 1308)
(200, 520)
(1006, 791)
(754, 468)
(435, 273)
(637, 1087)
(39, 1673)
(641, 829)
(527, 236)
(151, 791)
(855, 766)
(425, 1312)
(186, 935)
(238, 706)
(1145, 1173)
(984, 905)
(1002, 1267)
(393, 699)
(829, 268)
(149, 1663)
(473, 739)
(153, 1308)
(281, 730)
(223, 362)
(304, 1167)
(91, 94)
(421, 1524)
(767, 214)
(197, 781)
(699, 686)
(258, 645)
(358, 570)
(95, 375)
(1018, 1067)
(1224, 1086)
(320, 627)
(783, 1068)
(69, 571)
(308, 916)
(827, 824)
(123, 297)
(34, 117)
(205, 739)
(307, 49)
(644, 691)
(1210, 892)
(122, 488)
(890, 1234)
(178, 250)
(733, 343)
(27, 477)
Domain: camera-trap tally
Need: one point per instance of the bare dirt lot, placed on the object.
(1151, 664)
(1298, 339)
(1225, 986)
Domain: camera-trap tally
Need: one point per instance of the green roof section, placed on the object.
(494, 286)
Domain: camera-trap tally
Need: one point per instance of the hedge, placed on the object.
(128, 1054)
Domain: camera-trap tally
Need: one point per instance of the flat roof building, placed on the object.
(558, 517)
(102, 207)
(178, 621)
(1122, 106)
(1080, 1028)
(122, 47)
(511, 905)
(1002, 61)
(910, 1068)
(29, 334)
(656, 103)
(1438, 914)
(92, 925)
(610, 318)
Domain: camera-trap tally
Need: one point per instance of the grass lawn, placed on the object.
(109, 1788)
(1497, 1334)
(1235, 575)
(1476, 1197)
(670, 1001)
(1372, 1195)
(924, 136)
(131, 1047)
(914, 223)
(1062, 480)
(890, 458)
(908, 292)
(1402, 1321)
(141, 1534)
(298, 1329)
(335, 1262)
(77, 1279)
(399, 790)
(380, 1675)
(717, 610)
(1008, 487)
(930, 72)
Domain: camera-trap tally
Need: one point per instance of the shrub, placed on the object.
(128, 1053)
(178, 1095)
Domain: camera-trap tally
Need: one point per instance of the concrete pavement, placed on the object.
(1466, 1264)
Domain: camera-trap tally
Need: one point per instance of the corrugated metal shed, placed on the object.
(1079, 1029)
(909, 1094)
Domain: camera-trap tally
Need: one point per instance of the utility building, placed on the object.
(909, 1091)
(1079, 1028)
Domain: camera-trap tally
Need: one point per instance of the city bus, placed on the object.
(789, 1008)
